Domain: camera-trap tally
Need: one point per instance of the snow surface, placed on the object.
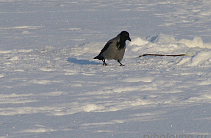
(51, 87)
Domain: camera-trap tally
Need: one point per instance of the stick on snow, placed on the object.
(162, 55)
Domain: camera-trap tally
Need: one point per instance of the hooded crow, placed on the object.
(114, 48)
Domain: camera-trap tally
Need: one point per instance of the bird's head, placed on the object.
(124, 35)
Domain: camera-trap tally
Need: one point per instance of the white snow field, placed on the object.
(51, 87)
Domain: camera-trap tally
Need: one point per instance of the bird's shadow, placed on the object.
(82, 62)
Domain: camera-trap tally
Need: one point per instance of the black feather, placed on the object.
(105, 47)
(103, 50)
(120, 44)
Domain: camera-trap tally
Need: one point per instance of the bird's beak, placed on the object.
(129, 39)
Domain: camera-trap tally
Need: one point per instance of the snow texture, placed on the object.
(51, 87)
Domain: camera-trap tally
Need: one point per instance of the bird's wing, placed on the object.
(114, 40)
(106, 47)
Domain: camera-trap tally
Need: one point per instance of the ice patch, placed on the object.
(196, 42)
(5, 51)
(168, 45)
(207, 82)
(25, 50)
(104, 123)
(48, 48)
(25, 32)
(160, 44)
(137, 44)
(55, 93)
(74, 29)
(138, 41)
(71, 72)
(190, 54)
(132, 80)
(119, 90)
(201, 57)
(143, 79)
(47, 69)
(14, 58)
(37, 130)
(24, 27)
(92, 107)
(141, 102)
(184, 60)
(163, 38)
(43, 82)
(207, 96)
(147, 79)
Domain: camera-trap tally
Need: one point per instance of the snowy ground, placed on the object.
(50, 85)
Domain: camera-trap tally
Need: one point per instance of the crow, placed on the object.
(114, 48)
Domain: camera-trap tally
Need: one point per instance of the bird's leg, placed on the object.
(120, 63)
(104, 62)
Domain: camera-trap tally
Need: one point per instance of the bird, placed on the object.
(114, 48)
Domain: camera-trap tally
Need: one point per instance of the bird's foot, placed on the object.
(120, 63)
(104, 64)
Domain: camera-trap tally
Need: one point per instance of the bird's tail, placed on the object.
(96, 57)
(99, 57)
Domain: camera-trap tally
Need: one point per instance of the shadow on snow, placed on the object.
(82, 62)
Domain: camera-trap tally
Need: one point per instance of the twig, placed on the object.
(162, 55)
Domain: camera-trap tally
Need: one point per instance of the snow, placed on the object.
(50, 85)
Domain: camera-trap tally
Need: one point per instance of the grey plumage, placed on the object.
(114, 48)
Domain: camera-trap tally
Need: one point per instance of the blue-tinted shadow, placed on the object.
(82, 62)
